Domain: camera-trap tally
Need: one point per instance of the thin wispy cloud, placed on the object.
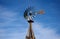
(44, 33)
(8, 17)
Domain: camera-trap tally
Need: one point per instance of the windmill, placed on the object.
(29, 15)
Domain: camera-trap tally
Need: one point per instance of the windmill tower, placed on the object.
(30, 34)
(29, 15)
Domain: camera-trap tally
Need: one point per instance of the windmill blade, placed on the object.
(26, 14)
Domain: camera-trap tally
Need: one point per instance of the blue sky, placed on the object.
(14, 26)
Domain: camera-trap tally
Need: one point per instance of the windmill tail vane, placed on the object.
(41, 12)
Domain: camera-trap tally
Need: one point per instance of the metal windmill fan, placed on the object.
(30, 13)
